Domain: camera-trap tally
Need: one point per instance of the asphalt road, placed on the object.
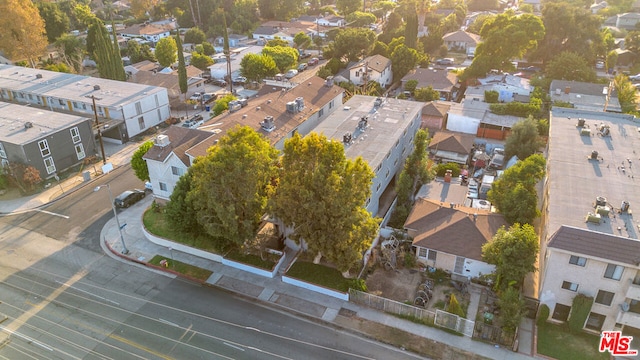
(64, 299)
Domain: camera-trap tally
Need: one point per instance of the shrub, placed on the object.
(358, 284)
(543, 315)
(454, 306)
(441, 169)
(491, 96)
(579, 311)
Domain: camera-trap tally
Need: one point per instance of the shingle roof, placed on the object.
(462, 36)
(436, 108)
(452, 230)
(375, 62)
(180, 139)
(596, 244)
(441, 80)
(448, 141)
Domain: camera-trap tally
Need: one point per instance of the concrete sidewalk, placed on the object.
(273, 292)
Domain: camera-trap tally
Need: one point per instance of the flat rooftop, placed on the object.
(72, 87)
(386, 124)
(13, 118)
(575, 179)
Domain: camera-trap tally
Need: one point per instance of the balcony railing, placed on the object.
(628, 318)
(634, 291)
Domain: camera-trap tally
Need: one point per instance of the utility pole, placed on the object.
(95, 114)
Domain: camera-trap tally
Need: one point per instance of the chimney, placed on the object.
(475, 217)
(567, 90)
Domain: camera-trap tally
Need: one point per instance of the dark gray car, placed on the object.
(128, 198)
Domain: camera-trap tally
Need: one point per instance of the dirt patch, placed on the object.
(399, 285)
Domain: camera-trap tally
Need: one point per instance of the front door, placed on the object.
(459, 266)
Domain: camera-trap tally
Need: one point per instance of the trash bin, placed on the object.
(86, 176)
(208, 107)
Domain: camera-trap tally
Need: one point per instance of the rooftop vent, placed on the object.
(362, 124)
(585, 132)
(378, 102)
(346, 138)
(580, 122)
(28, 125)
(593, 218)
(604, 129)
(38, 76)
(96, 87)
(594, 155)
(292, 107)
(603, 210)
(624, 207)
(601, 201)
(267, 124)
(300, 103)
(162, 140)
(329, 81)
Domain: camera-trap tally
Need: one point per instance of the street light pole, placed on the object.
(95, 114)
(115, 214)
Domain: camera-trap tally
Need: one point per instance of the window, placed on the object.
(422, 252)
(159, 115)
(75, 135)
(138, 108)
(163, 186)
(50, 165)
(378, 188)
(395, 162)
(3, 153)
(44, 148)
(61, 102)
(177, 171)
(75, 105)
(80, 151)
(141, 122)
(84, 106)
(613, 272)
(330, 104)
(569, 286)
(321, 112)
(604, 297)
(30, 96)
(577, 260)
(595, 321)
(397, 142)
(387, 175)
(157, 102)
(432, 255)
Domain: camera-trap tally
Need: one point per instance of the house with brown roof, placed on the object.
(167, 159)
(461, 40)
(441, 80)
(450, 237)
(590, 244)
(451, 147)
(373, 68)
(434, 115)
(147, 73)
(148, 31)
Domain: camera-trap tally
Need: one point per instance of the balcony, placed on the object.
(628, 318)
(634, 291)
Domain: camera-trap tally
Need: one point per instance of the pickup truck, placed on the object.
(194, 122)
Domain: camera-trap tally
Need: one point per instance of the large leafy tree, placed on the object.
(285, 57)
(354, 43)
(138, 53)
(570, 66)
(568, 28)
(523, 141)
(256, 67)
(505, 37)
(180, 211)
(201, 61)
(426, 94)
(359, 18)
(280, 9)
(22, 31)
(138, 164)
(626, 93)
(56, 22)
(321, 195)
(514, 253)
(302, 40)
(403, 59)
(231, 185)
(512, 309)
(514, 193)
(139, 8)
(347, 7)
(72, 51)
(166, 51)
(194, 36)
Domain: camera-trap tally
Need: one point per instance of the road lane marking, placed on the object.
(140, 347)
(233, 346)
(88, 293)
(28, 339)
(52, 213)
(168, 322)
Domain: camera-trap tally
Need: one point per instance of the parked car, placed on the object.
(209, 97)
(196, 96)
(599, 64)
(305, 55)
(194, 121)
(302, 67)
(291, 73)
(148, 186)
(128, 198)
(313, 61)
(445, 61)
(219, 82)
(497, 160)
(240, 80)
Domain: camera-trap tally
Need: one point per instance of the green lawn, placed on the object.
(557, 342)
(156, 224)
(320, 275)
(252, 259)
(186, 269)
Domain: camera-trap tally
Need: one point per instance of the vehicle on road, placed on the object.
(313, 61)
(302, 67)
(240, 80)
(128, 198)
(194, 122)
(445, 61)
(209, 97)
(291, 73)
(196, 96)
(219, 82)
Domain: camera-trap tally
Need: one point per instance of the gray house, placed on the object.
(49, 141)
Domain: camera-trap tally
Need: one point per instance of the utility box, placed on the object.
(86, 176)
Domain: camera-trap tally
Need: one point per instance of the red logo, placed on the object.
(616, 343)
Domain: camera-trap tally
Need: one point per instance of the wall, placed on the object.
(316, 288)
(180, 247)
